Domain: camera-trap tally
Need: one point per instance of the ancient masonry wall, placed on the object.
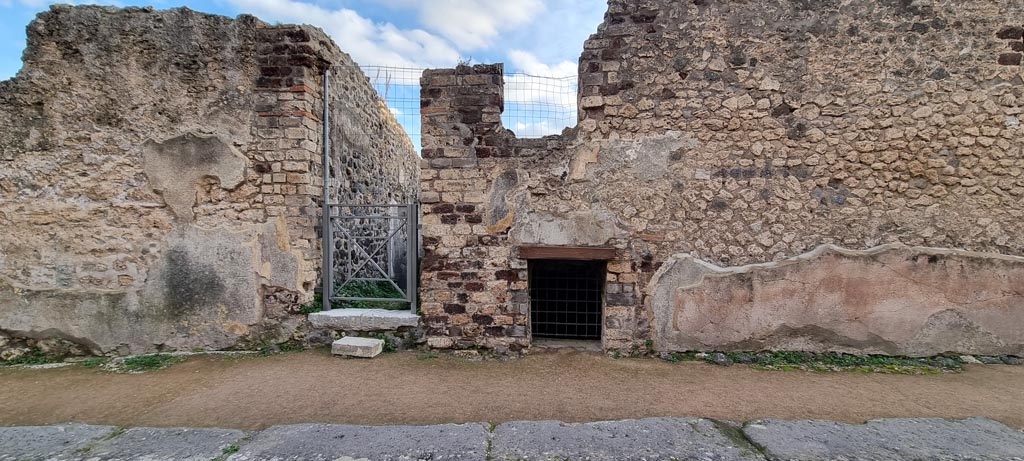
(160, 177)
(715, 135)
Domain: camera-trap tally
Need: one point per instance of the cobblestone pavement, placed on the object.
(634, 439)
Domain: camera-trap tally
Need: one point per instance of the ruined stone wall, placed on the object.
(160, 179)
(478, 182)
(742, 133)
(378, 163)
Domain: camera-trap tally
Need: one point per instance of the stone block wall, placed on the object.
(470, 294)
(160, 177)
(742, 135)
(474, 174)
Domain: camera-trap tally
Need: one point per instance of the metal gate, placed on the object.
(369, 251)
(370, 254)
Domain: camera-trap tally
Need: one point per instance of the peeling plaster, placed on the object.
(175, 166)
(890, 299)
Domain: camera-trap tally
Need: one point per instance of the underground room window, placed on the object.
(565, 299)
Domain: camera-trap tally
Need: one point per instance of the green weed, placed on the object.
(94, 362)
(389, 346)
(34, 357)
(149, 362)
(316, 305)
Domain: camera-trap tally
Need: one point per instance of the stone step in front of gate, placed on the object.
(364, 319)
(353, 346)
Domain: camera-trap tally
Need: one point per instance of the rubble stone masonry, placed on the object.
(160, 177)
(745, 145)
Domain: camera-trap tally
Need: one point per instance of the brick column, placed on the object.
(471, 295)
(288, 132)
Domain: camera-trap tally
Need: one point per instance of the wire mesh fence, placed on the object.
(535, 105)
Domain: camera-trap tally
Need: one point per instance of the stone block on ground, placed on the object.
(364, 319)
(636, 439)
(46, 442)
(975, 439)
(181, 444)
(357, 347)
(449, 442)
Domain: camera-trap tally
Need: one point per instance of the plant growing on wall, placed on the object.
(360, 289)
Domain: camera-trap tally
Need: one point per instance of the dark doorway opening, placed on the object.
(565, 298)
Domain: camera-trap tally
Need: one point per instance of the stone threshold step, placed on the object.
(364, 319)
(354, 346)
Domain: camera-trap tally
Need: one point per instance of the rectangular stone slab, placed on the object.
(627, 440)
(887, 439)
(46, 442)
(164, 443)
(450, 442)
(357, 347)
(364, 319)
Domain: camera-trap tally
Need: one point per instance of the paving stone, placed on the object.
(975, 439)
(322, 442)
(357, 347)
(364, 319)
(637, 439)
(45, 442)
(180, 444)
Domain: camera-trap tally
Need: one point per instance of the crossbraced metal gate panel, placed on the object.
(371, 244)
(375, 243)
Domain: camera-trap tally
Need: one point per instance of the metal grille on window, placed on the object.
(565, 298)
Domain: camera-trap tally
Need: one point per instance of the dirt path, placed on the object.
(256, 392)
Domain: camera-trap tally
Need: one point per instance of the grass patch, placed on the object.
(371, 290)
(389, 345)
(316, 305)
(832, 361)
(34, 357)
(271, 349)
(828, 362)
(94, 362)
(359, 289)
(142, 363)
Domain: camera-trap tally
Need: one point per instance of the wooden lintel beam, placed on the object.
(566, 252)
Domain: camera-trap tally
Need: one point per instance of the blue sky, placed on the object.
(541, 37)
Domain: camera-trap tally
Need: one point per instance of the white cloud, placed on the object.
(40, 4)
(368, 42)
(540, 99)
(539, 84)
(558, 33)
(528, 63)
(472, 24)
(541, 128)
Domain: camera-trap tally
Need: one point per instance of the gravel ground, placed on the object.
(251, 393)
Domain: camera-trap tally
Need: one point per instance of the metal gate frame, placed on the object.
(361, 257)
(408, 220)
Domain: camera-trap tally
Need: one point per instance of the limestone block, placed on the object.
(358, 347)
(364, 319)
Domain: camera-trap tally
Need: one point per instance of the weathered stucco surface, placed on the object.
(738, 133)
(160, 177)
(886, 300)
